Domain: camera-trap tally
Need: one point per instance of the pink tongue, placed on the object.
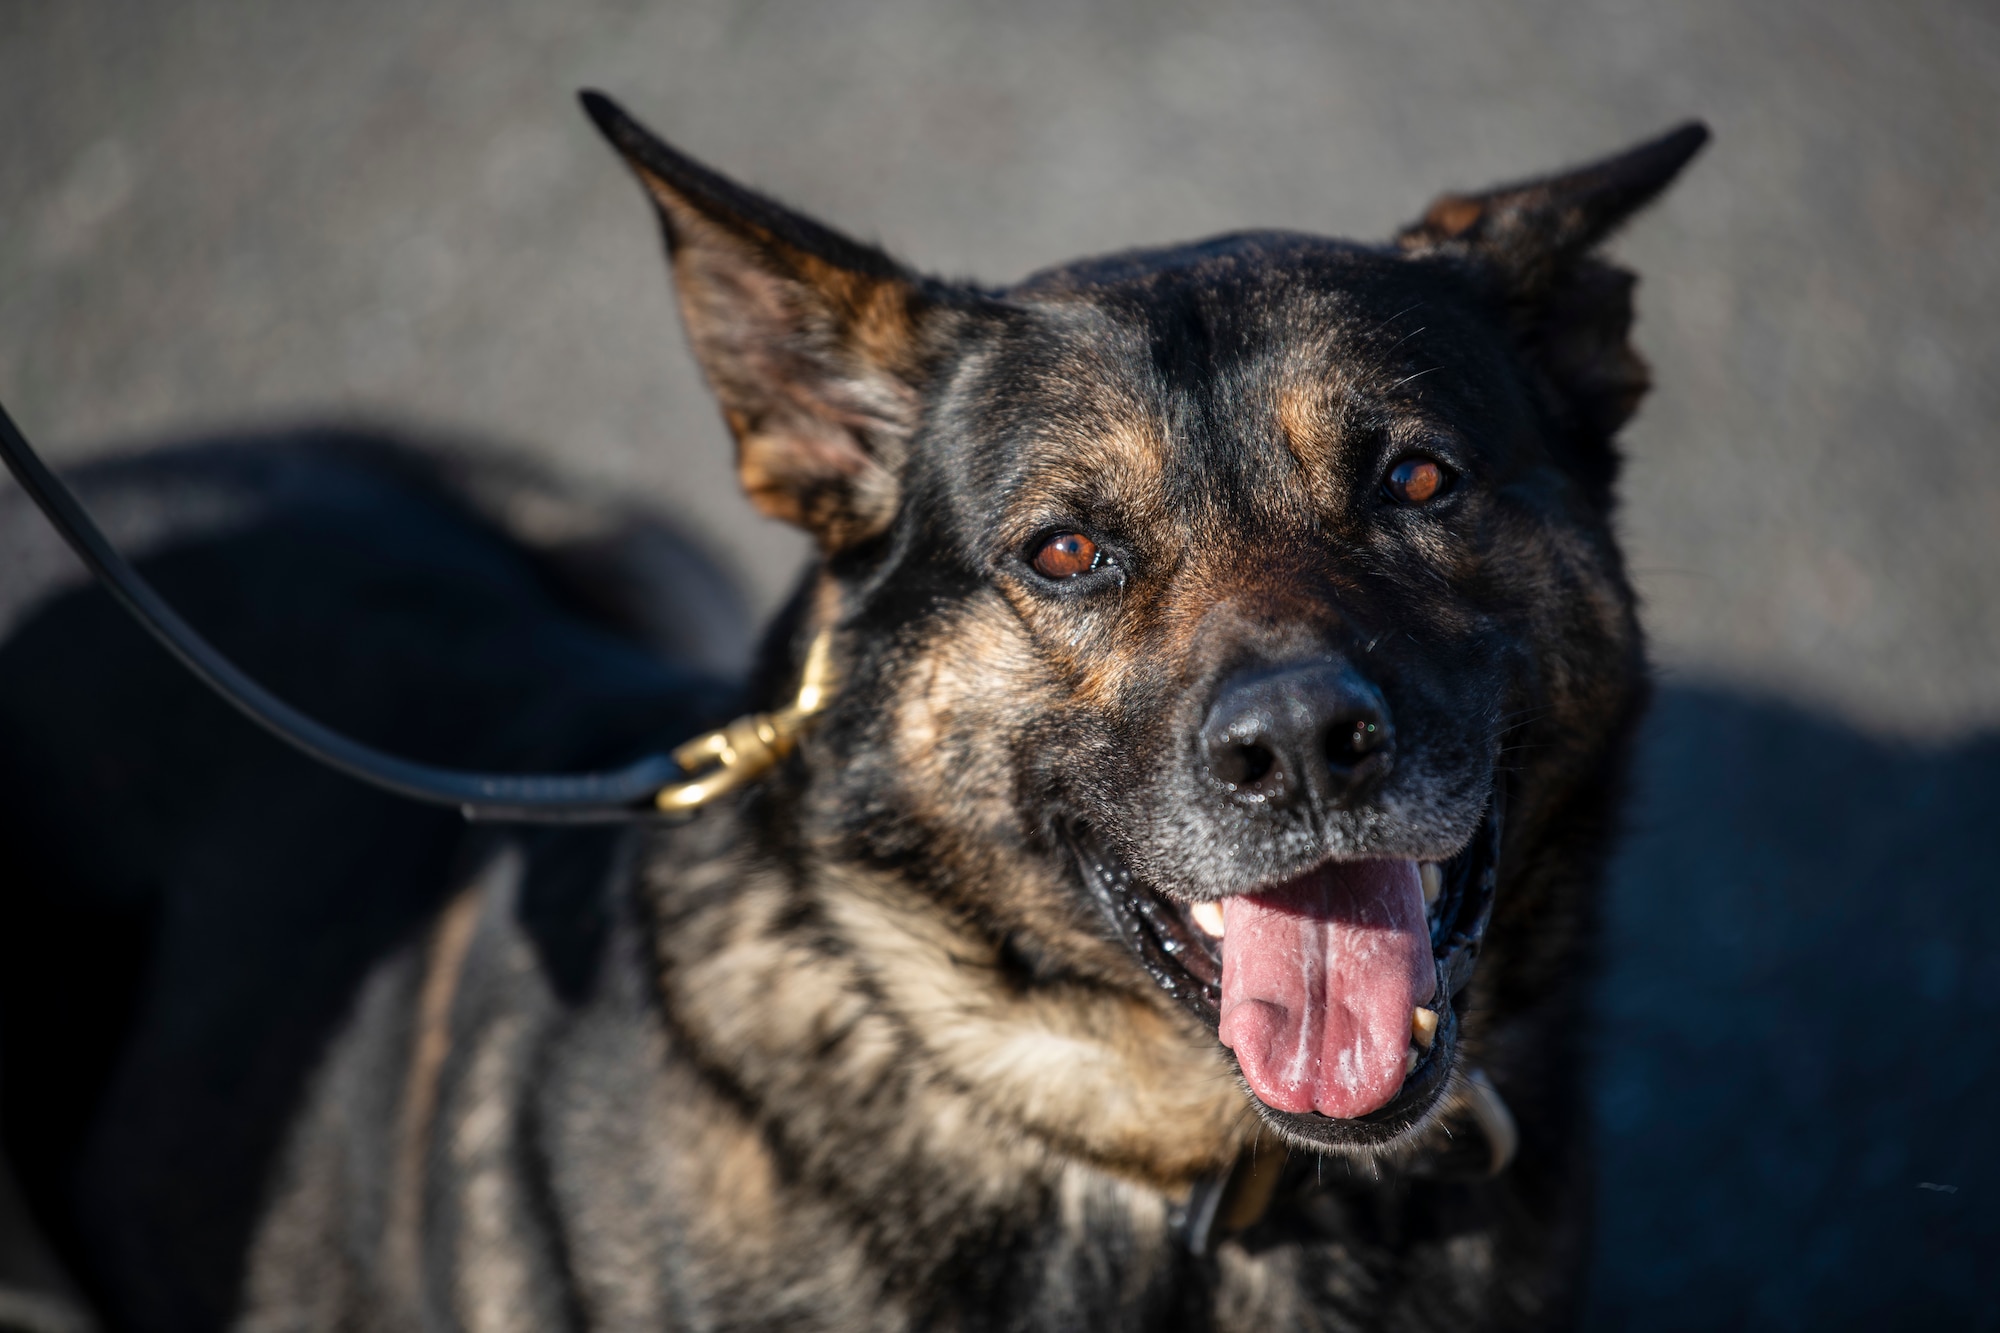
(1318, 981)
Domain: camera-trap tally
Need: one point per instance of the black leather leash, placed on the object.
(660, 785)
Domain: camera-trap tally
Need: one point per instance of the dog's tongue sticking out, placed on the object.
(1319, 978)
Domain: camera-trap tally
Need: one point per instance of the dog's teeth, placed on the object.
(1410, 1062)
(1423, 1026)
(1208, 915)
(1433, 877)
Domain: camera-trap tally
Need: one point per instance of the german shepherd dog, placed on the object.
(1179, 916)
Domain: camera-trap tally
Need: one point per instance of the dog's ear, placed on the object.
(1572, 313)
(815, 344)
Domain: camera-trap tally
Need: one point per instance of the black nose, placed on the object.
(1313, 732)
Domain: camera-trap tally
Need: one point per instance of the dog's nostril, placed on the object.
(1311, 732)
(1242, 765)
(1350, 742)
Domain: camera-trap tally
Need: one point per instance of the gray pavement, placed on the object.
(215, 214)
(211, 212)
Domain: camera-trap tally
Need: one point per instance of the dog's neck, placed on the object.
(882, 1053)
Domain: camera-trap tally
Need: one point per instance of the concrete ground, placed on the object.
(213, 214)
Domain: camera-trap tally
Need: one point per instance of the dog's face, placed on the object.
(1190, 603)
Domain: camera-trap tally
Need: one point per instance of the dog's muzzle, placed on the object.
(1185, 958)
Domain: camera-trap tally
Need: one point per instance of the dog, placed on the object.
(1177, 913)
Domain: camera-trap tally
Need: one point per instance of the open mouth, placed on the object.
(1338, 991)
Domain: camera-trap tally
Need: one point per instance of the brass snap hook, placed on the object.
(723, 760)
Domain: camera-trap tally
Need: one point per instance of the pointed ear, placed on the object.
(815, 345)
(1533, 228)
(1572, 313)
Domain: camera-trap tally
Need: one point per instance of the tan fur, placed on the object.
(453, 935)
(1098, 1073)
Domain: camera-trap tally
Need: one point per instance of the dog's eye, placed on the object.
(1065, 556)
(1416, 481)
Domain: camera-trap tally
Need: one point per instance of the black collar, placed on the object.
(1481, 1143)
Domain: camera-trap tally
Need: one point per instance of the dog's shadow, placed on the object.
(1797, 1066)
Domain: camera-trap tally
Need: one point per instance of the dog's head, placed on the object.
(1190, 605)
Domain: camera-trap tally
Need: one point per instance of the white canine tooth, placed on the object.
(1423, 1026)
(1208, 915)
(1410, 1063)
(1433, 877)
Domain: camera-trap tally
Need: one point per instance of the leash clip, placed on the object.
(720, 761)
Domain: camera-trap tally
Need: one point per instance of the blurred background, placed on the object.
(215, 215)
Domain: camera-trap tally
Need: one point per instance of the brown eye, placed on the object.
(1415, 480)
(1066, 555)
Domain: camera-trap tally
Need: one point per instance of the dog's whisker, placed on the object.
(1405, 338)
(1415, 305)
